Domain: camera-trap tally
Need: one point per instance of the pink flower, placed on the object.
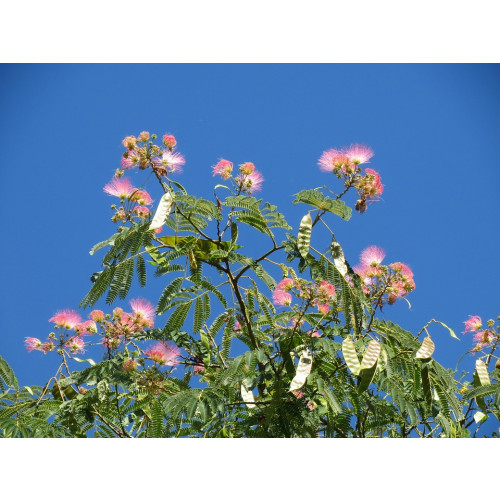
(223, 168)
(75, 344)
(130, 365)
(142, 197)
(323, 308)
(250, 179)
(359, 154)
(237, 326)
(88, 326)
(198, 369)
(143, 136)
(325, 292)
(129, 159)
(332, 160)
(311, 405)
(315, 334)
(403, 269)
(97, 315)
(169, 141)
(47, 346)
(129, 142)
(473, 323)
(33, 344)
(281, 297)
(285, 284)
(298, 394)
(158, 230)
(121, 187)
(483, 337)
(66, 319)
(247, 168)
(169, 163)
(164, 354)
(373, 187)
(141, 211)
(144, 311)
(372, 256)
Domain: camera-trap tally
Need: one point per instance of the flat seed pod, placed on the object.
(371, 355)
(426, 349)
(247, 396)
(163, 211)
(304, 237)
(482, 372)
(303, 370)
(350, 356)
(338, 257)
(479, 417)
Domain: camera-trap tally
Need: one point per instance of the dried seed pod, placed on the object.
(482, 372)
(338, 257)
(350, 356)
(163, 211)
(371, 355)
(303, 370)
(304, 237)
(426, 349)
(247, 396)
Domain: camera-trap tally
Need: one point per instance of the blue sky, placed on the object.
(434, 129)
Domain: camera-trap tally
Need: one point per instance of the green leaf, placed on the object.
(319, 200)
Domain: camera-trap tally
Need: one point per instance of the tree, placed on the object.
(242, 354)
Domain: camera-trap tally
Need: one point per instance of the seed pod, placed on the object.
(304, 237)
(247, 396)
(303, 370)
(371, 355)
(163, 211)
(338, 257)
(426, 349)
(350, 356)
(482, 372)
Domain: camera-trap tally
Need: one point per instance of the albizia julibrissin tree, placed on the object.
(285, 343)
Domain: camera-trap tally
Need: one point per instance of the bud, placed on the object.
(169, 141)
(130, 365)
(490, 323)
(82, 390)
(143, 136)
(119, 172)
(129, 142)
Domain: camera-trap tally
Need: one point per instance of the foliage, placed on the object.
(282, 344)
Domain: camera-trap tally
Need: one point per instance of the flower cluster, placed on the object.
(322, 295)
(114, 328)
(248, 179)
(143, 154)
(383, 284)
(482, 336)
(345, 164)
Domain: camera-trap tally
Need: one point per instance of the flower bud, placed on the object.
(169, 141)
(143, 136)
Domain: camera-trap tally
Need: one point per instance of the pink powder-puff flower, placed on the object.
(325, 292)
(483, 337)
(198, 369)
(403, 269)
(359, 154)
(247, 168)
(298, 394)
(237, 326)
(332, 160)
(223, 168)
(129, 142)
(285, 284)
(169, 141)
(164, 354)
(33, 344)
(142, 197)
(315, 334)
(474, 323)
(281, 297)
(130, 159)
(311, 405)
(97, 315)
(158, 230)
(141, 211)
(372, 256)
(66, 319)
(48, 346)
(323, 308)
(144, 311)
(251, 182)
(87, 327)
(373, 187)
(75, 344)
(120, 187)
(131, 364)
(143, 136)
(169, 163)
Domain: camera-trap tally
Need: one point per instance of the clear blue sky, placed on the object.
(435, 131)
